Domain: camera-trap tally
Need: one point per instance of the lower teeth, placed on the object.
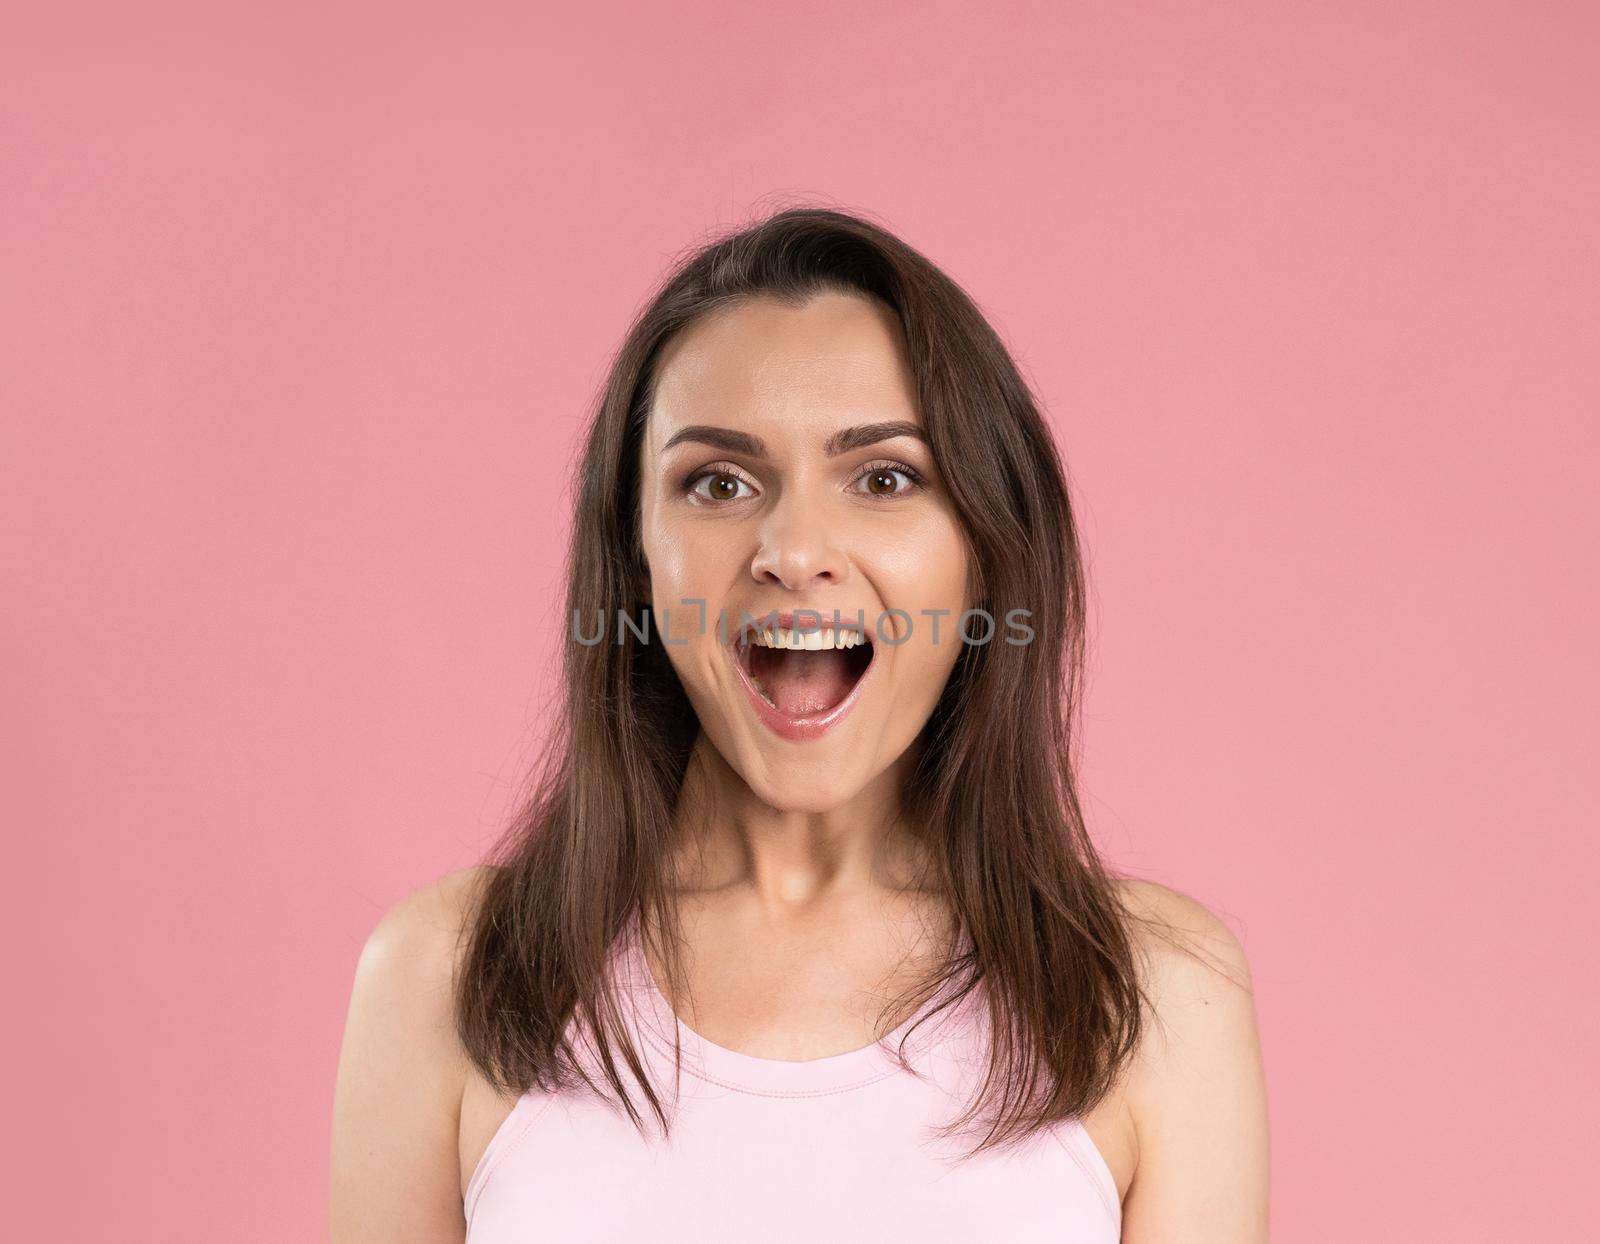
(763, 690)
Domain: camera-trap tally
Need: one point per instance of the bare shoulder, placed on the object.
(1181, 941)
(1196, 978)
(405, 977)
(421, 933)
(401, 1072)
(1196, 1088)
(410, 958)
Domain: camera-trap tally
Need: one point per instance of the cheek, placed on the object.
(931, 567)
(928, 572)
(682, 556)
(689, 569)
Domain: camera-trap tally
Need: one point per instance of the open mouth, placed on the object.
(802, 678)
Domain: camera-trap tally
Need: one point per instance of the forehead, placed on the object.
(836, 357)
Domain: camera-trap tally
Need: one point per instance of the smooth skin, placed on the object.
(799, 895)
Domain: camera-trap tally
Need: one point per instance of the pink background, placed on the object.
(304, 308)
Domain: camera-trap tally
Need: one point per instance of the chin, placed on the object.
(816, 777)
(800, 790)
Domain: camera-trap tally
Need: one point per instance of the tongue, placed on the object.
(799, 682)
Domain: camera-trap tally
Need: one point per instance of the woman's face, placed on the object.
(782, 469)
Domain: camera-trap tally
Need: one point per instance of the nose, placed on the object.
(796, 548)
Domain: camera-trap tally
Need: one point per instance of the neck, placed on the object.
(729, 837)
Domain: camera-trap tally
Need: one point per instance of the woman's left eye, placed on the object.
(888, 480)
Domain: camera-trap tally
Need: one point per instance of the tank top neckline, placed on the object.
(770, 1077)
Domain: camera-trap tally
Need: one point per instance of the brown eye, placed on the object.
(888, 482)
(718, 486)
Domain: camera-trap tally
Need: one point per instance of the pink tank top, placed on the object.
(765, 1149)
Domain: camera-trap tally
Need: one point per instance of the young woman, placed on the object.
(801, 935)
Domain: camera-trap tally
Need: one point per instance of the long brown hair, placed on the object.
(993, 781)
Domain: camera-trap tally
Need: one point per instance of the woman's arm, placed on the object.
(1197, 1090)
(395, 1168)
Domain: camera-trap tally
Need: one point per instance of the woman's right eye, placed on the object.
(717, 487)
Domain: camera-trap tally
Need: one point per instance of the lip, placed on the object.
(797, 729)
(762, 621)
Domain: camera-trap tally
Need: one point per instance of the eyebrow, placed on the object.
(841, 442)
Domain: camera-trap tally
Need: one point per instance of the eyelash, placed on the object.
(914, 478)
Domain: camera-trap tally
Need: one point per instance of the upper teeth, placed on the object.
(813, 641)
